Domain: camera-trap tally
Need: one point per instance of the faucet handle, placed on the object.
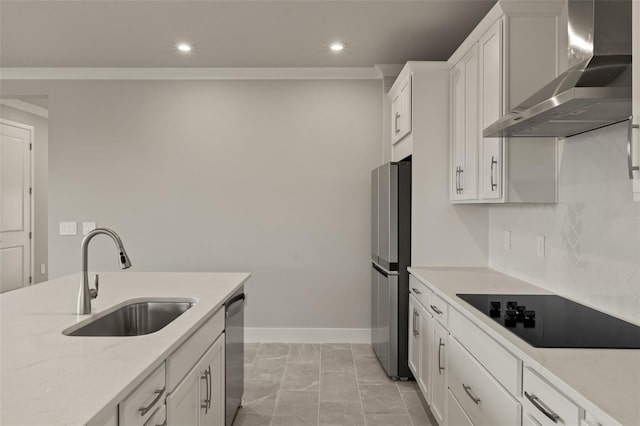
(94, 292)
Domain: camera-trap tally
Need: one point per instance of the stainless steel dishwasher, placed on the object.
(234, 354)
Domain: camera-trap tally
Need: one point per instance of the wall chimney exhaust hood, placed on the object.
(596, 89)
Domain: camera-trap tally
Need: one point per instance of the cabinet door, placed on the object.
(414, 337)
(439, 372)
(405, 114)
(456, 415)
(212, 388)
(401, 110)
(635, 135)
(424, 376)
(491, 109)
(396, 117)
(183, 404)
(457, 129)
(464, 127)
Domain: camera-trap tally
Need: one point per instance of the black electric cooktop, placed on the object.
(549, 321)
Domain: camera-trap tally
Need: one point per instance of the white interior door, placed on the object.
(15, 205)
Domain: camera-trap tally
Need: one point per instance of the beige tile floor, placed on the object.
(324, 385)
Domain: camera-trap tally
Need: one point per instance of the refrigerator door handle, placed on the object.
(383, 271)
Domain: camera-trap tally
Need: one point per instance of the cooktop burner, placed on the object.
(549, 321)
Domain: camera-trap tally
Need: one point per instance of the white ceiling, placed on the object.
(261, 33)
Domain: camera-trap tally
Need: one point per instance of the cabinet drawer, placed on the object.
(138, 407)
(481, 397)
(159, 418)
(420, 291)
(439, 309)
(545, 404)
(501, 363)
(184, 358)
(457, 416)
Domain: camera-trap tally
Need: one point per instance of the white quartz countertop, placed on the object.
(47, 378)
(605, 381)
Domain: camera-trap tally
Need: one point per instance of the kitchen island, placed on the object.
(48, 378)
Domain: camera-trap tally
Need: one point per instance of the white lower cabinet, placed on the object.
(187, 389)
(140, 405)
(158, 418)
(425, 373)
(420, 345)
(456, 415)
(414, 336)
(427, 344)
(545, 405)
(482, 398)
(439, 371)
(528, 420)
(199, 398)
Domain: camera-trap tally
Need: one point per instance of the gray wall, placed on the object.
(40, 154)
(270, 177)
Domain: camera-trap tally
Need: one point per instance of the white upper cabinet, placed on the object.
(401, 108)
(634, 142)
(464, 127)
(514, 54)
(491, 109)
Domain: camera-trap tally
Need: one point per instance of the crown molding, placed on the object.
(285, 73)
(389, 70)
(25, 106)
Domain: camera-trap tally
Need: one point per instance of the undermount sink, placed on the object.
(133, 319)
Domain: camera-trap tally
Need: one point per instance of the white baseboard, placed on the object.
(307, 335)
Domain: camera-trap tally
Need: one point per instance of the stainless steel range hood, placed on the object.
(596, 89)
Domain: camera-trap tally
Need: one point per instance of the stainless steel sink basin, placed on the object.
(134, 319)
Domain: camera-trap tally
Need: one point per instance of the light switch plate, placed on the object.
(68, 228)
(88, 227)
(507, 239)
(541, 246)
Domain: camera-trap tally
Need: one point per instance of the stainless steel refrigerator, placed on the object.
(390, 257)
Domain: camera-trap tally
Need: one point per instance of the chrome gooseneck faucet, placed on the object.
(85, 294)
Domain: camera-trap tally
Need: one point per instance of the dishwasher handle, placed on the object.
(235, 305)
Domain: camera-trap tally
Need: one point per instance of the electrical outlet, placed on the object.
(541, 246)
(68, 228)
(88, 227)
(507, 239)
(43, 269)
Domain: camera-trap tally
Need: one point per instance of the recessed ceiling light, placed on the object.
(184, 47)
(337, 46)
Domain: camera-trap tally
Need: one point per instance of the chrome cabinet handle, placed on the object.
(457, 179)
(413, 324)
(461, 172)
(440, 367)
(396, 123)
(416, 317)
(632, 168)
(159, 393)
(436, 310)
(493, 163)
(474, 398)
(542, 407)
(210, 386)
(416, 291)
(207, 400)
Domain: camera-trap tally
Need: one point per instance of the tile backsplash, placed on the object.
(592, 233)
